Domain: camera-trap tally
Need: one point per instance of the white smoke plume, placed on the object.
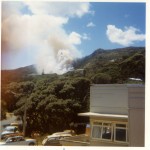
(37, 28)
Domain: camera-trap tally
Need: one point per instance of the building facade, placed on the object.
(117, 115)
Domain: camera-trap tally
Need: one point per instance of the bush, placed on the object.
(101, 78)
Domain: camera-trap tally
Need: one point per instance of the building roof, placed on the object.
(93, 114)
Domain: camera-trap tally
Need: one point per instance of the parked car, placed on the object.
(12, 134)
(14, 124)
(72, 132)
(18, 140)
(54, 139)
(9, 130)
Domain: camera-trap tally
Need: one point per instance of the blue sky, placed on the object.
(54, 34)
(118, 14)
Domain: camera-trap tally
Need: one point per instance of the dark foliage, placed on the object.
(53, 101)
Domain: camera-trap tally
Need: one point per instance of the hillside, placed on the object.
(102, 55)
(100, 61)
(114, 63)
(51, 97)
(17, 75)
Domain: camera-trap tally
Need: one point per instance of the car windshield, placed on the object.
(14, 139)
(8, 140)
(4, 140)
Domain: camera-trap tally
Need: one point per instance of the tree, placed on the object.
(134, 67)
(24, 90)
(3, 109)
(101, 78)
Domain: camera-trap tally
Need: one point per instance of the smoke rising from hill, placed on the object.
(37, 29)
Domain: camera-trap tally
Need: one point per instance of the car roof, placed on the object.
(64, 132)
(50, 136)
(58, 135)
(10, 127)
(14, 123)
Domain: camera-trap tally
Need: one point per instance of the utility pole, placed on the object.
(24, 118)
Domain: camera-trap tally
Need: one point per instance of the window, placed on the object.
(102, 130)
(20, 139)
(110, 131)
(9, 140)
(120, 132)
(107, 131)
(96, 132)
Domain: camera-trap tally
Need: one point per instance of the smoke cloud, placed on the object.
(37, 28)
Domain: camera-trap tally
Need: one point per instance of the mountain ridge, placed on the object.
(100, 61)
(101, 52)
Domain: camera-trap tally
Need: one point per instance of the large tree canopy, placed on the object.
(51, 106)
(53, 101)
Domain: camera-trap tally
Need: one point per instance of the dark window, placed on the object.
(106, 134)
(121, 135)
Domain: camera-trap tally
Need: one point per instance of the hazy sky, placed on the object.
(52, 34)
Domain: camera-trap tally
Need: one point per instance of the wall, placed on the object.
(136, 115)
(121, 99)
(105, 143)
(109, 99)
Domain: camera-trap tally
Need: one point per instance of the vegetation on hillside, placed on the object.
(53, 101)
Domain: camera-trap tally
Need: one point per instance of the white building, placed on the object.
(117, 115)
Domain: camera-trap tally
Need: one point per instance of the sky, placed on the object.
(53, 34)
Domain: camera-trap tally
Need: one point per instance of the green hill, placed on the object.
(117, 63)
(114, 63)
(53, 101)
